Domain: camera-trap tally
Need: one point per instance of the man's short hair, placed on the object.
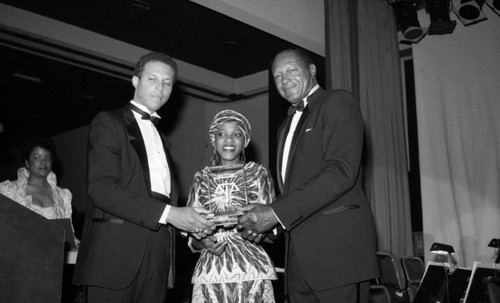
(301, 54)
(155, 57)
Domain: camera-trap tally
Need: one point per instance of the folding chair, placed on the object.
(390, 277)
(492, 286)
(413, 269)
(379, 294)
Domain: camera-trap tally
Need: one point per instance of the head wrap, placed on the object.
(229, 116)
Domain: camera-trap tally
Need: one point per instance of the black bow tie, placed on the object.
(296, 107)
(145, 116)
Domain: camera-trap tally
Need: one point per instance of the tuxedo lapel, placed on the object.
(137, 141)
(282, 132)
(297, 133)
(174, 188)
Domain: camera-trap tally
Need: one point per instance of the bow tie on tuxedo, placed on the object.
(296, 107)
(145, 115)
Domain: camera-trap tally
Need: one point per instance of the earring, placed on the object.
(215, 159)
(242, 156)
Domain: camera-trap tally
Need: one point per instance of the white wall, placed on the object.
(457, 87)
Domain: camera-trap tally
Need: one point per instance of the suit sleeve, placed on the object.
(115, 180)
(326, 162)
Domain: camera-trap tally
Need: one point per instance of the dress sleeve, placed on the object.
(67, 197)
(194, 192)
(267, 186)
(5, 188)
(13, 191)
(193, 200)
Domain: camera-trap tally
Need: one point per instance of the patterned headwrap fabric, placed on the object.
(230, 116)
(221, 118)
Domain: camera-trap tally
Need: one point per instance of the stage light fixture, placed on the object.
(468, 12)
(413, 34)
(439, 12)
(409, 29)
(494, 5)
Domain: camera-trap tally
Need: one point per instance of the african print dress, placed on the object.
(244, 271)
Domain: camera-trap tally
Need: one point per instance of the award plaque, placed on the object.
(227, 190)
(225, 218)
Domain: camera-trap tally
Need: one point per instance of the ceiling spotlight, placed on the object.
(468, 12)
(494, 5)
(412, 34)
(409, 28)
(439, 12)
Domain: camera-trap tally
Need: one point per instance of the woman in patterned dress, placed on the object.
(231, 269)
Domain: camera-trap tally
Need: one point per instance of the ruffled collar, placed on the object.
(23, 174)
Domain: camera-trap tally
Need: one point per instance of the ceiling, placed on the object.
(38, 87)
(185, 30)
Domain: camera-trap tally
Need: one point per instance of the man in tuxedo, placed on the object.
(126, 252)
(329, 231)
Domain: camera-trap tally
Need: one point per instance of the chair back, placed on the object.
(413, 269)
(390, 277)
(379, 294)
(492, 286)
(389, 271)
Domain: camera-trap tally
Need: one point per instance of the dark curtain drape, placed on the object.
(362, 56)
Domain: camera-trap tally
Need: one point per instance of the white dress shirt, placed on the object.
(289, 137)
(157, 160)
(288, 143)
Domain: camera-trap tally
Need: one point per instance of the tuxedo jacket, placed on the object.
(327, 219)
(122, 213)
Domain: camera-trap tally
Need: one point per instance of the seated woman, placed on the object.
(36, 185)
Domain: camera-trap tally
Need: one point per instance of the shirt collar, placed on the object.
(144, 108)
(315, 88)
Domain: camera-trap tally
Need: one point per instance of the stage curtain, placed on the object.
(362, 56)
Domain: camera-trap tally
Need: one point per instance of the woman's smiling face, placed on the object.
(229, 142)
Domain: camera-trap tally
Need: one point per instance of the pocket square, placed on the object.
(308, 130)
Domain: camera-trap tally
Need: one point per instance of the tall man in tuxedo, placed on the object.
(329, 232)
(127, 245)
